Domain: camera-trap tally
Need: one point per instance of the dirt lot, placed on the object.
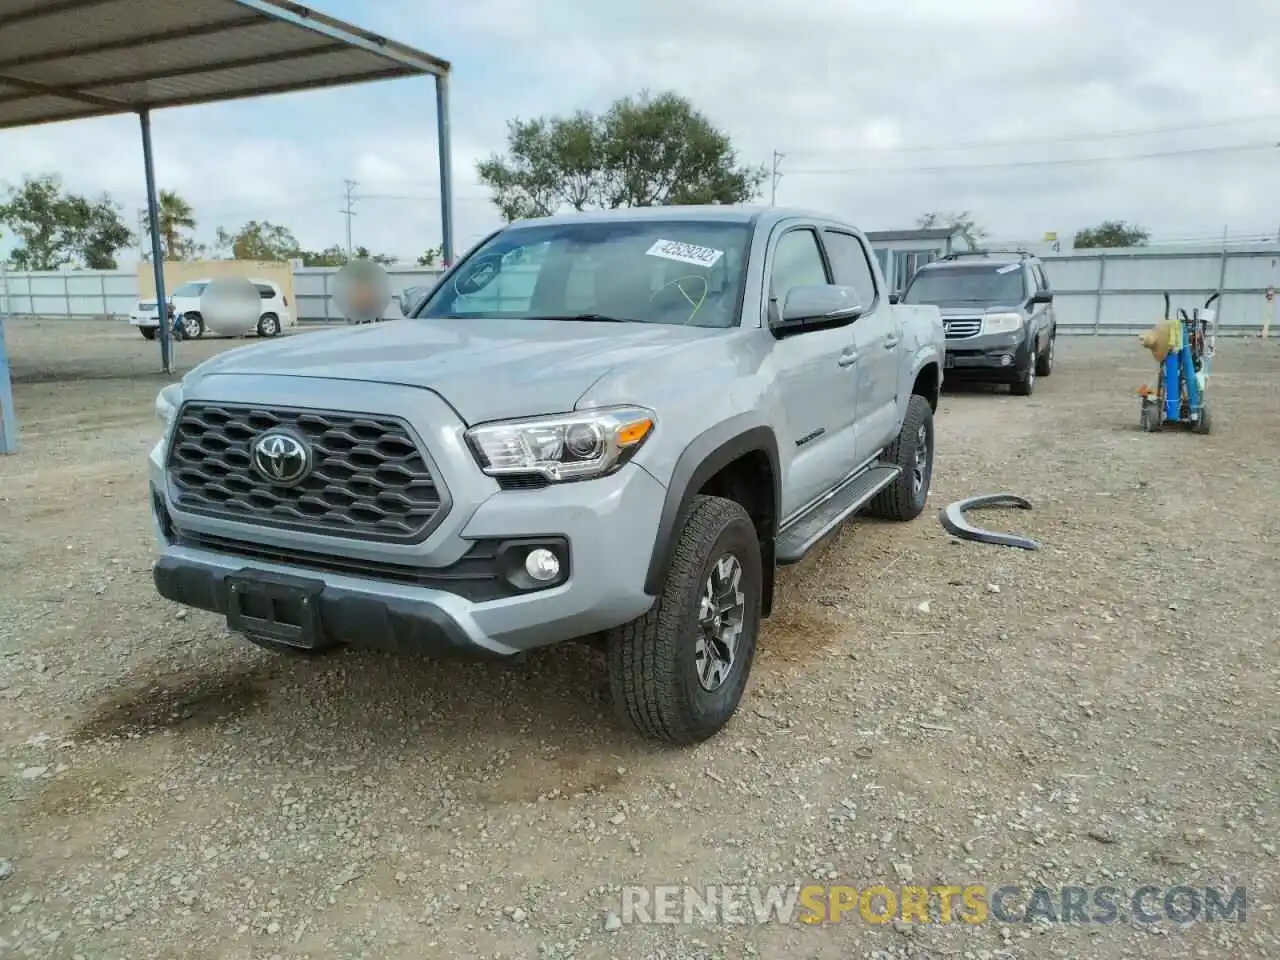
(1102, 712)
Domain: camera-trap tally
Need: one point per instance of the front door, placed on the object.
(815, 379)
(875, 341)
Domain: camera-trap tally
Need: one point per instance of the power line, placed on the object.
(1055, 162)
(1068, 138)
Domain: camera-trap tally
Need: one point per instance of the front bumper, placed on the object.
(456, 592)
(144, 320)
(995, 357)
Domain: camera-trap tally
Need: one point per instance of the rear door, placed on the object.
(812, 374)
(875, 340)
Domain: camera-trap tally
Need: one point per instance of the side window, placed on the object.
(797, 262)
(850, 265)
(1041, 276)
(264, 291)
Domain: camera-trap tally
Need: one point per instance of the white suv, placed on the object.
(275, 314)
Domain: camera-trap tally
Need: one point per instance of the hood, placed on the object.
(485, 368)
(959, 308)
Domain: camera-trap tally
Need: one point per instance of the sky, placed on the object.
(882, 111)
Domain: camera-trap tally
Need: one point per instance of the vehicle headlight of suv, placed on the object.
(1001, 322)
(167, 402)
(573, 446)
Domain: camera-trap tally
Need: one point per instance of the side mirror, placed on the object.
(819, 305)
(1042, 296)
(895, 298)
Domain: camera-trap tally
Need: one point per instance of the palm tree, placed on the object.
(175, 215)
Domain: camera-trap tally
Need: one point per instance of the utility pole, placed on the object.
(348, 212)
(774, 176)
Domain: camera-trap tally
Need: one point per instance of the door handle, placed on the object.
(891, 342)
(848, 358)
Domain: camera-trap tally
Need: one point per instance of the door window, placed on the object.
(850, 265)
(797, 262)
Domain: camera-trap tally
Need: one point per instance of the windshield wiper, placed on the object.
(584, 317)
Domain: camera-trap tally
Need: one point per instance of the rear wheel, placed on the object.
(148, 333)
(268, 325)
(192, 326)
(1202, 425)
(678, 673)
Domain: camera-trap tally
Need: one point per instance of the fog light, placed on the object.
(1005, 360)
(542, 565)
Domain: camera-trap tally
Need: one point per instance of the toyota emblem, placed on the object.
(281, 457)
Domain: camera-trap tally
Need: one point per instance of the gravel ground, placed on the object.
(923, 711)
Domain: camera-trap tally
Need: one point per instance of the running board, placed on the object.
(824, 519)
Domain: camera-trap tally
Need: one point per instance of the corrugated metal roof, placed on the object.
(67, 59)
(891, 236)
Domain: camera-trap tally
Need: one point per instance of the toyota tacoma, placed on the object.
(610, 425)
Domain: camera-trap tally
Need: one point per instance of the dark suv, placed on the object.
(997, 308)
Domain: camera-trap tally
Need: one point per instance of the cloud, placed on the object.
(887, 91)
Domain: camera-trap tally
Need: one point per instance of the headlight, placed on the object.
(167, 402)
(572, 446)
(1001, 322)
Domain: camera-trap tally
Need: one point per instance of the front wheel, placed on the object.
(1025, 385)
(912, 451)
(678, 673)
(1044, 362)
(148, 333)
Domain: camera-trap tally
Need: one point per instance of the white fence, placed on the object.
(1121, 291)
(1097, 291)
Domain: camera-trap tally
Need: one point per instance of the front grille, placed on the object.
(961, 329)
(369, 480)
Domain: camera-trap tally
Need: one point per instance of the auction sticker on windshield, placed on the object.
(685, 253)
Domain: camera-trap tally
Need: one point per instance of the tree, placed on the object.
(362, 253)
(961, 222)
(432, 256)
(176, 220)
(333, 256)
(99, 231)
(643, 151)
(1111, 233)
(259, 240)
(58, 228)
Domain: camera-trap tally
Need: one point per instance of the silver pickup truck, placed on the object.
(611, 426)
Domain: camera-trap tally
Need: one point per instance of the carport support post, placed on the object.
(8, 422)
(446, 170)
(157, 255)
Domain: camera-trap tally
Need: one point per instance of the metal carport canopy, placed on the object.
(72, 59)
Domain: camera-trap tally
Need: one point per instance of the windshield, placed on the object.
(985, 284)
(647, 271)
(190, 290)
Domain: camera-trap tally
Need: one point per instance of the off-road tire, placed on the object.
(652, 674)
(900, 500)
(148, 333)
(1044, 360)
